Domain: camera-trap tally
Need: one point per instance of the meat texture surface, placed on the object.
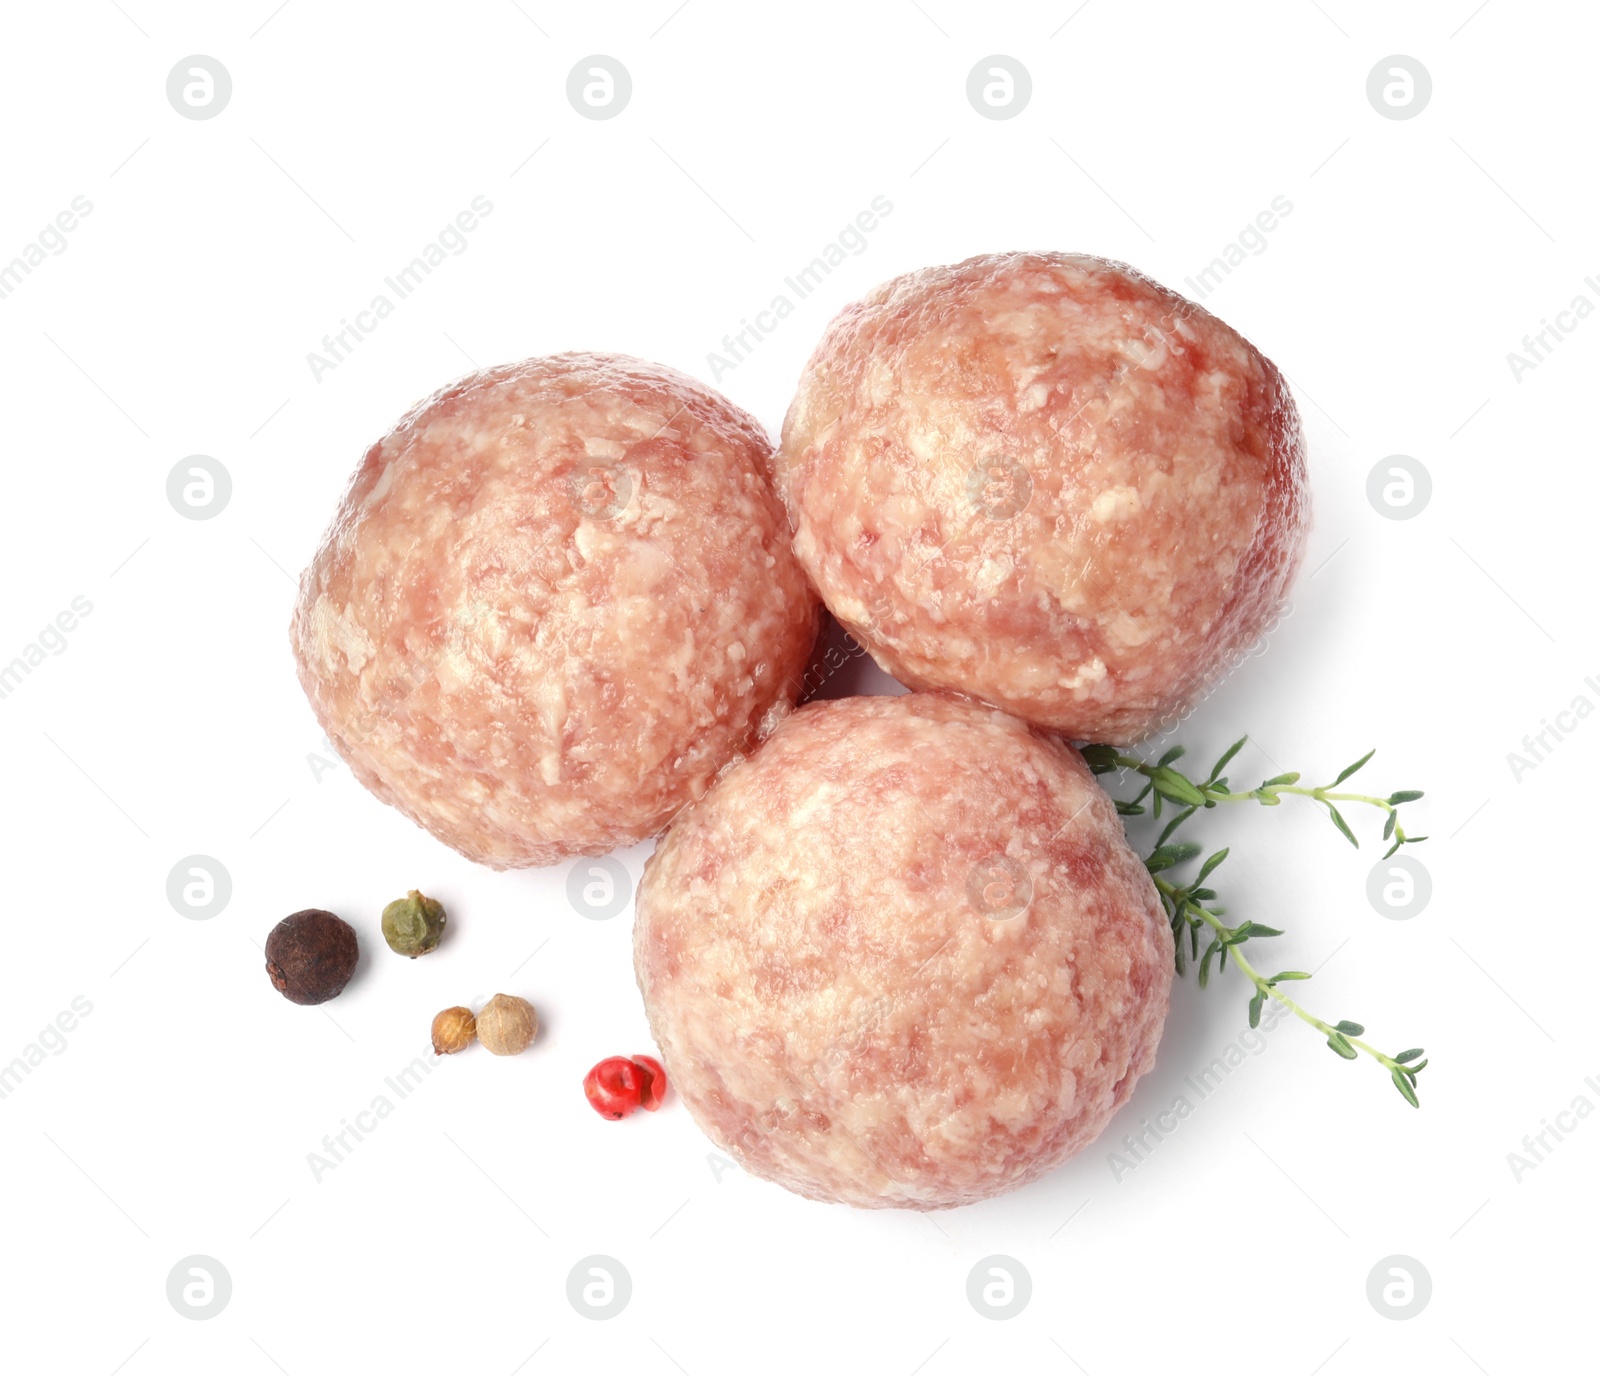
(903, 955)
(556, 599)
(1048, 482)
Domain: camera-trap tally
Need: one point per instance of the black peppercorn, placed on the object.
(311, 956)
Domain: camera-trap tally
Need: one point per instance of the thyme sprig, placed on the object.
(1164, 783)
(1192, 906)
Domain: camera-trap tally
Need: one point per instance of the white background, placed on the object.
(179, 1116)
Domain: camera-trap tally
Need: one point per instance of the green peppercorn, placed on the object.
(413, 925)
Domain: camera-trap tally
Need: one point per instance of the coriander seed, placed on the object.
(507, 1025)
(454, 1030)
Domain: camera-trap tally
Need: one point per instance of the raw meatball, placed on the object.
(556, 599)
(1046, 481)
(903, 955)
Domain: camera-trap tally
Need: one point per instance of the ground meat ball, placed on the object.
(556, 599)
(1048, 482)
(903, 955)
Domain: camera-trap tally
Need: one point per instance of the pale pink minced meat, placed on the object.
(1046, 481)
(902, 956)
(556, 599)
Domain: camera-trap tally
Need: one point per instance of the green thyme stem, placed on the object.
(1266, 986)
(1190, 906)
(1268, 795)
(1322, 795)
(1173, 786)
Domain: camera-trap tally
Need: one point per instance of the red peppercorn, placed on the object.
(654, 1089)
(613, 1087)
